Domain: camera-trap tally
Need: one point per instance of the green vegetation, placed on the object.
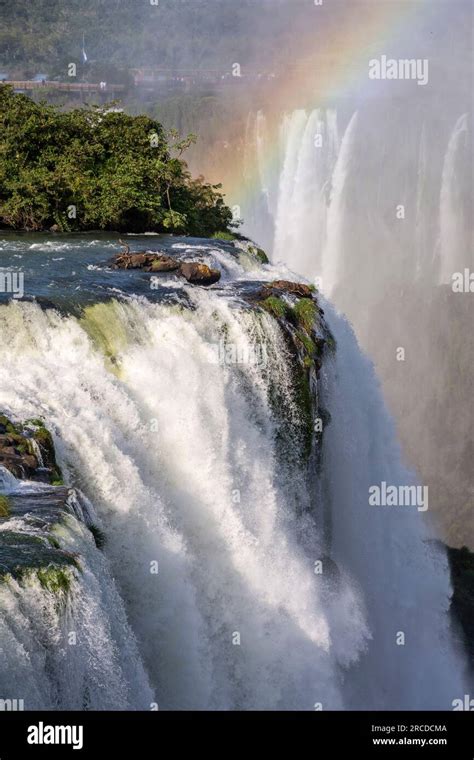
(91, 168)
(44, 439)
(224, 235)
(259, 254)
(55, 579)
(25, 555)
(299, 319)
(308, 344)
(4, 507)
(276, 306)
(305, 312)
(34, 421)
(44, 36)
(5, 422)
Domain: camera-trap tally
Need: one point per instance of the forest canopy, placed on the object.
(98, 168)
(44, 36)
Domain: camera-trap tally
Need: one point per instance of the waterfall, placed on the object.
(397, 226)
(388, 550)
(335, 217)
(69, 650)
(309, 146)
(333, 256)
(212, 544)
(454, 238)
(8, 482)
(257, 200)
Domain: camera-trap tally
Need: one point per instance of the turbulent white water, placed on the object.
(385, 548)
(71, 651)
(177, 454)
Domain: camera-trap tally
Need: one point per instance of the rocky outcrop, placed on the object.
(27, 451)
(295, 306)
(31, 547)
(298, 289)
(194, 272)
(33, 518)
(164, 263)
(147, 261)
(461, 563)
(199, 274)
(250, 249)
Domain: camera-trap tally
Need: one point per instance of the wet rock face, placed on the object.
(461, 562)
(296, 308)
(194, 272)
(164, 263)
(147, 261)
(298, 289)
(199, 274)
(31, 547)
(27, 451)
(33, 518)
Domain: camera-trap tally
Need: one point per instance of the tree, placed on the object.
(97, 168)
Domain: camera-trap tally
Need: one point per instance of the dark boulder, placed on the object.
(131, 261)
(294, 288)
(23, 446)
(162, 263)
(199, 274)
(146, 260)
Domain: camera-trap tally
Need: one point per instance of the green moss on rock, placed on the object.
(307, 343)
(276, 306)
(44, 439)
(224, 235)
(34, 422)
(8, 425)
(305, 312)
(259, 254)
(55, 579)
(4, 507)
(24, 554)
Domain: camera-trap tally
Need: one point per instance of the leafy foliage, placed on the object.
(117, 171)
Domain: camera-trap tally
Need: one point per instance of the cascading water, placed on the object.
(454, 242)
(383, 242)
(309, 146)
(334, 249)
(325, 227)
(65, 640)
(212, 542)
(386, 549)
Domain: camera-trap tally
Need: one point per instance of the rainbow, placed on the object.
(365, 31)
